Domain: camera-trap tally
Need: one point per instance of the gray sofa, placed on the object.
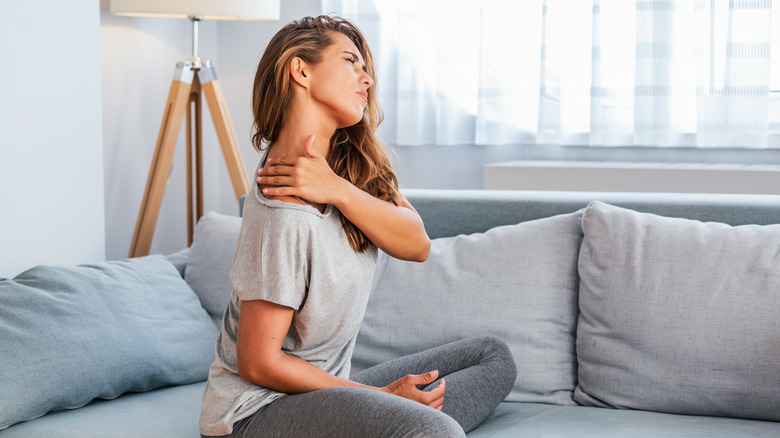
(624, 319)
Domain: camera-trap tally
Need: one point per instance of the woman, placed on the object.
(326, 198)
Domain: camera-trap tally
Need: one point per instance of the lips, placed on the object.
(364, 95)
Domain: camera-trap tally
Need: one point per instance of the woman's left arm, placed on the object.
(396, 230)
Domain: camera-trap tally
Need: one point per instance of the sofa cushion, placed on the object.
(171, 412)
(678, 316)
(210, 261)
(515, 282)
(179, 260)
(534, 420)
(71, 334)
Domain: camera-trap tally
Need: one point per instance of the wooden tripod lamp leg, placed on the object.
(224, 128)
(194, 159)
(162, 161)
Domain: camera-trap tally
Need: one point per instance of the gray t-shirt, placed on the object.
(295, 256)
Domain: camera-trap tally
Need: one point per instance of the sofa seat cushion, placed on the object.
(515, 282)
(533, 420)
(678, 316)
(71, 334)
(171, 412)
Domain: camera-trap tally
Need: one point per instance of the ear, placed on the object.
(298, 69)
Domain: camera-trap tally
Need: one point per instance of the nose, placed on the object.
(368, 81)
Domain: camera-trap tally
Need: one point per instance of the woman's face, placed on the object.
(339, 82)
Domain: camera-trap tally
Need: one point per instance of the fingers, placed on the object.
(279, 191)
(277, 172)
(408, 387)
(435, 397)
(423, 379)
(438, 402)
(275, 181)
(285, 165)
(308, 177)
(311, 151)
(276, 166)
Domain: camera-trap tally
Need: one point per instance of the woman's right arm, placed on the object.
(262, 327)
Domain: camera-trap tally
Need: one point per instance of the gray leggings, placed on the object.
(479, 372)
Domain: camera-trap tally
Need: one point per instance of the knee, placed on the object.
(497, 351)
(439, 425)
(408, 419)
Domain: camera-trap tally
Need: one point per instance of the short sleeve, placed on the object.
(272, 261)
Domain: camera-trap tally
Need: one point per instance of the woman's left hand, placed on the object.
(309, 178)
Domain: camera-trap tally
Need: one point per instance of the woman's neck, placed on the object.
(299, 124)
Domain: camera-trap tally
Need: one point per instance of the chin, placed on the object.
(352, 121)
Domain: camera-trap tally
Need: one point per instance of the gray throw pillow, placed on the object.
(71, 334)
(179, 260)
(678, 316)
(515, 282)
(210, 260)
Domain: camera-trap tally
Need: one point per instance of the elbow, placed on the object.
(250, 374)
(411, 248)
(422, 252)
(255, 371)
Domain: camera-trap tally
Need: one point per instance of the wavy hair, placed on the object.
(356, 153)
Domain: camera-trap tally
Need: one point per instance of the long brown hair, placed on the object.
(356, 153)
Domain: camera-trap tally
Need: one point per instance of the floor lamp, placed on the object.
(193, 79)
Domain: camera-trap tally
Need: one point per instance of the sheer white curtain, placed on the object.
(600, 72)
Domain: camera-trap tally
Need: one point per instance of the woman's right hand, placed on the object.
(406, 387)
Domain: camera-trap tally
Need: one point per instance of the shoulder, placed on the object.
(264, 215)
(258, 204)
(271, 237)
(286, 199)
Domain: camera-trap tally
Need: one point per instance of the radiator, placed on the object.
(633, 177)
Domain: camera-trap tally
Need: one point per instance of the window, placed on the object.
(601, 73)
(774, 104)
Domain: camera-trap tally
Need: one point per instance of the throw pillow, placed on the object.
(210, 261)
(515, 282)
(179, 260)
(678, 316)
(71, 334)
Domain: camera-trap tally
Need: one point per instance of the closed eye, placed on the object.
(353, 58)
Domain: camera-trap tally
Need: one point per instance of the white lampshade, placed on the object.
(207, 9)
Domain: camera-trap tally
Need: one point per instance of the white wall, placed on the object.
(139, 57)
(51, 158)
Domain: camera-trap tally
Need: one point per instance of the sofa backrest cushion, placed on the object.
(678, 316)
(450, 212)
(210, 260)
(515, 282)
(71, 334)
